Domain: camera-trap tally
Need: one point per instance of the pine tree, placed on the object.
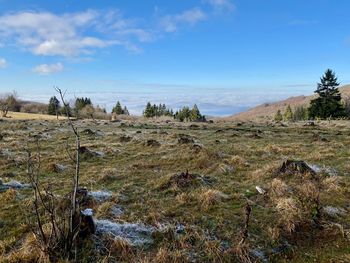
(126, 111)
(288, 114)
(278, 116)
(118, 109)
(80, 103)
(148, 110)
(328, 103)
(195, 114)
(54, 106)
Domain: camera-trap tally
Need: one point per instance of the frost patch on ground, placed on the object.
(12, 184)
(334, 211)
(100, 196)
(135, 234)
(328, 170)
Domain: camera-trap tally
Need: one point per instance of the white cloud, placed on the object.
(46, 69)
(3, 63)
(170, 23)
(75, 34)
(221, 5)
(68, 35)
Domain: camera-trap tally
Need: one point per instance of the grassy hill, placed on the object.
(266, 111)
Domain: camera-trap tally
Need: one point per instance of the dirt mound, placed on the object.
(86, 154)
(292, 167)
(152, 143)
(185, 139)
(185, 180)
(125, 138)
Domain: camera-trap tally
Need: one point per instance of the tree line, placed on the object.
(328, 103)
(83, 107)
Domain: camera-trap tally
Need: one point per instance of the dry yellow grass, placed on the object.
(31, 116)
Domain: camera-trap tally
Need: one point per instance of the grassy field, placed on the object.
(200, 217)
(31, 116)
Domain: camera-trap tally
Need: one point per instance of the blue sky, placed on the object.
(225, 55)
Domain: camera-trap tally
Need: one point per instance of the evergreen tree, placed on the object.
(118, 109)
(126, 111)
(278, 116)
(328, 103)
(148, 111)
(54, 106)
(300, 114)
(195, 114)
(288, 114)
(80, 103)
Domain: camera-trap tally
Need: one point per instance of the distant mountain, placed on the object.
(267, 111)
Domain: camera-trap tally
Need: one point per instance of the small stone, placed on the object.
(260, 190)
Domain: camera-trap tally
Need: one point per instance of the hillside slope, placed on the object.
(267, 110)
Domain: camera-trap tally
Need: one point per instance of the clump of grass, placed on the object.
(289, 212)
(118, 250)
(237, 160)
(209, 198)
(278, 189)
(8, 196)
(108, 175)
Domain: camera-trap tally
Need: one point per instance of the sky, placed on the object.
(224, 55)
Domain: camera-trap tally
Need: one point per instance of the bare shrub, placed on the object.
(55, 222)
(33, 107)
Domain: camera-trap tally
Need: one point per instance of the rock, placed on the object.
(88, 154)
(152, 143)
(138, 235)
(180, 229)
(125, 138)
(334, 211)
(87, 225)
(185, 139)
(194, 127)
(293, 167)
(260, 190)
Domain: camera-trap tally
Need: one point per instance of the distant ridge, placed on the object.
(267, 111)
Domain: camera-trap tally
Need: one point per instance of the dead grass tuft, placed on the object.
(290, 213)
(208, 198)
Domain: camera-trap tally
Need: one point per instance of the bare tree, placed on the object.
(9, 102)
